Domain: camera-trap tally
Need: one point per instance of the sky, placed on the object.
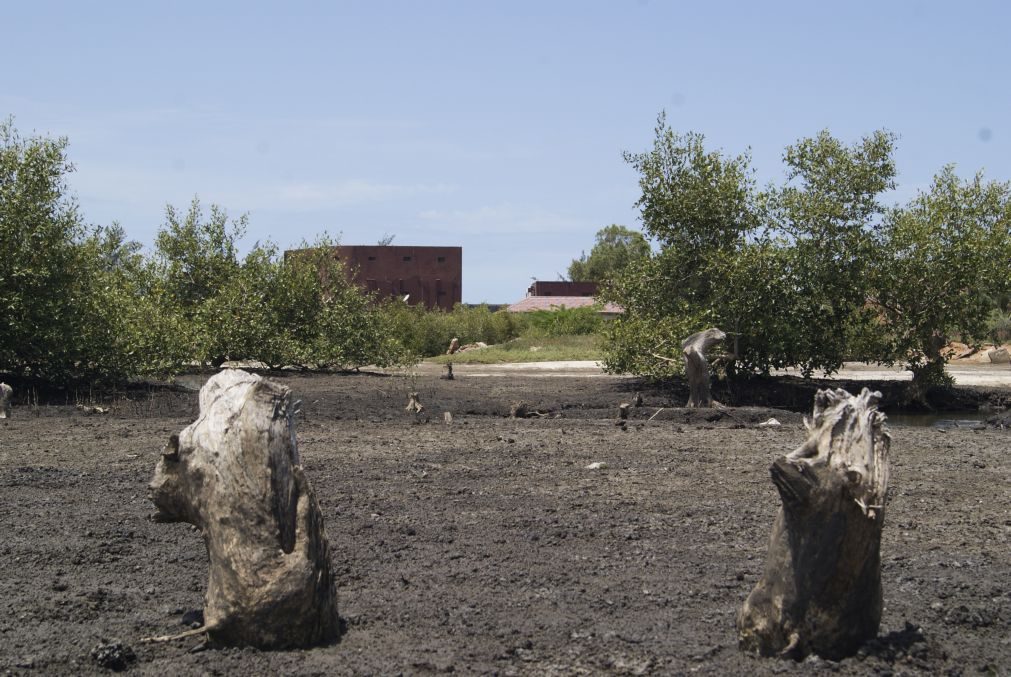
(497, 126)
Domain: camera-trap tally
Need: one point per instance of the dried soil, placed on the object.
(486, 545)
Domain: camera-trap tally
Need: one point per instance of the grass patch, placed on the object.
(527, 349)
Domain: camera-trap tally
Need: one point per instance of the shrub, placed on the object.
(426, 333)
(564, 321)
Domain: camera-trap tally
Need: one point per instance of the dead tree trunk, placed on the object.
(697, 368)
(821, 590)
(5, 400)
(414, 405)
(235, 473)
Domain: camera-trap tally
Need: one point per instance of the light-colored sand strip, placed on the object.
(991, 375)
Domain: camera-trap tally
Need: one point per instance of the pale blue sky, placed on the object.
(496, 126)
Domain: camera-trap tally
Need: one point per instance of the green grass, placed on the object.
(526, 349)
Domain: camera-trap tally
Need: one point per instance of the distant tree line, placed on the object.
(86, 304)
(808, 273)
(82, 303)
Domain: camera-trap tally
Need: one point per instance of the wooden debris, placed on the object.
(5, 400)
(821, 590)
(89, 410)
(518, 410)
(697, 368)
(235, 474)
(414, 405)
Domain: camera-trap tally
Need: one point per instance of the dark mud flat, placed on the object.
(487, 546)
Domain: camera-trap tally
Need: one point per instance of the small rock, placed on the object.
(597, 465)
(999, 356)
(771, 423)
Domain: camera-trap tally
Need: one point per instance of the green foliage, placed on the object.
(198, 256)
(827, 215)
(998, 326)
(699, 207)
(532, 349)
(615, 248)
(41, 287)
(781, 270)
(89, 305)
(299, 310)
(563, 322)
(333, 323)
(942, 260)
(133, 325)
(426, 333)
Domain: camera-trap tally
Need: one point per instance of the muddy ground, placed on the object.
(486, 545)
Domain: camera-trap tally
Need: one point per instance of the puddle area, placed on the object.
(949, 420)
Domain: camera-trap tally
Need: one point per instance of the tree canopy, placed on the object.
(943, 265)
(615, 248)
(812, 271)
(40, 286)
(89, 304)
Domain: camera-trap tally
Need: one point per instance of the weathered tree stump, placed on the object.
(697, 368)
(519, 410)
(821, 590)
(5, 400)
(454, 346)
(447, 375)
(235, 474)
(414, 405)
(623, 411)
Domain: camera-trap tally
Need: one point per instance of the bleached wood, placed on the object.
(697, 368)
(235, 473)
(5, 400)
(414, 405)
(821, 590)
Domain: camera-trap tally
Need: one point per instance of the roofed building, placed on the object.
(429, 276)
(543, 295)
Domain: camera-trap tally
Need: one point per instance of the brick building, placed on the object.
(431, 276)
(561, 288)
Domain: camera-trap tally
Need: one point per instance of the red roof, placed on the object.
(532, 303)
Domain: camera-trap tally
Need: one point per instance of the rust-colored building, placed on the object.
(562, 288)
(425, 275)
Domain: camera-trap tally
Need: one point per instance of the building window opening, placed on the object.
(407, 258)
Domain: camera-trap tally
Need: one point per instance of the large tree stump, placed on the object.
(235, 473)
(697, 368)
(5, 400)
(821, 590)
